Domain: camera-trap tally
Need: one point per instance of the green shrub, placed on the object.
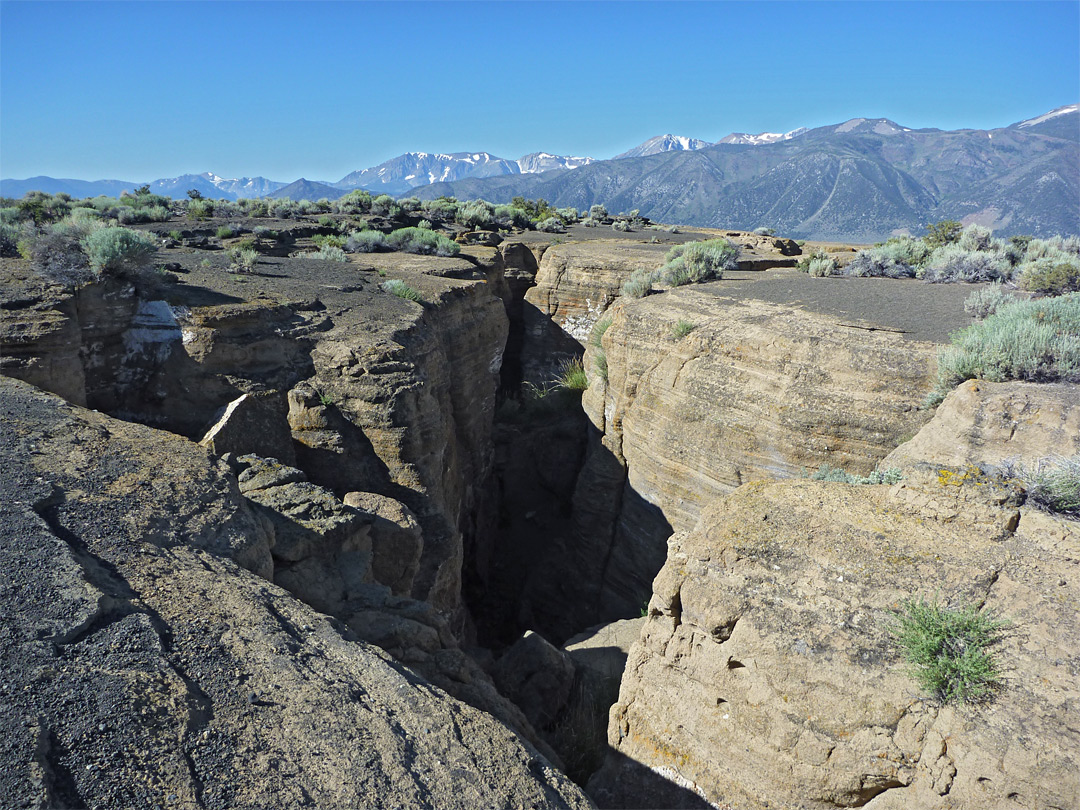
(765, 231)
(699, 261)
(200, 209)
(175, 235)
(364, 241)
(572, 375)
(639, 284)
(262, 232)
(418, 240)
(225, 232)
(118, 250)
(682, 328)
(402, 290)
(837, 475)
(950, 648)
(1046, 276)
(476, 214)
(956, 263)
(899, 257)
(976, 237)
(242, 259)
(1052, 483)
(330, 253)
(425, 225)
(598, 212)
(819, 264)
(551, 225)
(443, 208)
(384, 205)
(946, 232)
(621, 225)
(985, 302)
(327, 222)
(355, 202)
(335, 240)
(246, 244)
(1023, 340)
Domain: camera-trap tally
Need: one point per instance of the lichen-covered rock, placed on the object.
(143, 668)
(767, 676)
(986, 423)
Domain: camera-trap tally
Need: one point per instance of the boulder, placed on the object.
(537, 676)
(396, 539)
(251, 424)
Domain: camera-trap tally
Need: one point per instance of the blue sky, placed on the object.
(141, 90)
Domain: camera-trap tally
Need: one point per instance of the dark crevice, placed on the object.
(60, 787)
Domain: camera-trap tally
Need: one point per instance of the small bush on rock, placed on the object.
(397, 287)
(1023, 340)
(418, 240)
(365, 241)
(551, 225)
(950, 648)
(1052, 483)
(699, 261)
(118, 250)
(639, 284)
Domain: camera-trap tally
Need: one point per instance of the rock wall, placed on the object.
(755, 391)
(766, 674)
(143, 667)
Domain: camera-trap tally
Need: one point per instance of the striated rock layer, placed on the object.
(766, 675)
(754, 391)
(143, 666)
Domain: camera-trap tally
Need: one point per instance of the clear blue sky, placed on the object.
(141, 90)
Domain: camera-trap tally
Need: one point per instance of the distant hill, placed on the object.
(544, 162)
(860, 180)
(307, 190)
(76, 188)
(663, 143)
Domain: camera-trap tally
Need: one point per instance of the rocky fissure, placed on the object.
(329, 480)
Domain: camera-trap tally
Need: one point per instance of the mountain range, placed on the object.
(862, 179)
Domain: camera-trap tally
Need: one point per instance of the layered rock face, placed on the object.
(754, 391)
(767, 674)
(145, 667)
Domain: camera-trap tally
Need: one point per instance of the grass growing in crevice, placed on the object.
(572, 376)
(950, 649)
(682, 328)
(1052, 482)
(397, 287)
(837, 475)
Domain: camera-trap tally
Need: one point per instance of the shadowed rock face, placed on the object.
(755, 391)
(143, 667)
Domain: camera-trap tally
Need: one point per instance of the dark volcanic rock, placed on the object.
(142, 667)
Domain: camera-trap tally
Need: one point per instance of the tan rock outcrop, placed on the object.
(986, 423)
(755, 391)
(767, 676)
(142, 667)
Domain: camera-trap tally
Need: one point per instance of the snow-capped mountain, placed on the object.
(398, 175)
(1068, 108)
(761, 137)
(664, 143)
(543, 162)
(211, 185)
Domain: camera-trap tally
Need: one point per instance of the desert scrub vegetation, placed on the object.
(819, 264)
(698, 261)
(836, 475)
(1052, 482)
(639, 284)
(225, 232)
(419, 240)
(953, 253)
(242, 259)
(682, 328)
(985, 302)
(1036, 340)
(950, 649)
(476, 214)
(365, 241)
(330, 253)
(117, 250)
(396, 286)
